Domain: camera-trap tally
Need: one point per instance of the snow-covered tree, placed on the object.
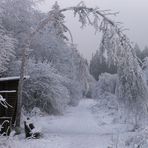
(6, 49)
(18, 18)
(44, 89)
(58, 21)
(107, 83)
(145, 69)
(98, 65)
(132, 90)
(17, 15)
(81, 73)
(138, 51)
(145, 52)
(104, 93)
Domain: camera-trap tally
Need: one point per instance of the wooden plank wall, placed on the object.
(11, 98)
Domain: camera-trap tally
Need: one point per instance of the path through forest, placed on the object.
(76, 129)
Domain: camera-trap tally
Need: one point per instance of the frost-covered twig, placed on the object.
(101, 22)
(2, 126)
(4, 103)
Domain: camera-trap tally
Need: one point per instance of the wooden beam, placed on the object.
(8, 91)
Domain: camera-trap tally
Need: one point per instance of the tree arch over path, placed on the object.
(132, 89)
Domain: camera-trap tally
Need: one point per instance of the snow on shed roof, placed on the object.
(12, 78)
(8, 91)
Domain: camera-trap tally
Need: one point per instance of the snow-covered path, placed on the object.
(77, 121)
(76, 129)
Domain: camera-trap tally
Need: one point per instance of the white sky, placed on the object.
(133, 13)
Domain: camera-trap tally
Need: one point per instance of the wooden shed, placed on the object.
(9, 91)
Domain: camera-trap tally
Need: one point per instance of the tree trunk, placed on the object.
(20, 87)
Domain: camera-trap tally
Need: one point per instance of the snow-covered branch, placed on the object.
(4, 103)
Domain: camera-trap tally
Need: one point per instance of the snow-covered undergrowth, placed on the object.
(138, 139)
(48, 89)
(108, 116)
(83, 126)
(104, 93)
(76, 129)
(107, 83)
(107, 92)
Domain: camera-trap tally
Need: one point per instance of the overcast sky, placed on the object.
(133, 13)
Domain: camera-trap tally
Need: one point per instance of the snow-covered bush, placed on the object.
(106, 110)
(137, 139)
(104, 93)
(36, 112)
(44, 89)
(106, 84)
(75, 92)
(132, 92)
(6, 49)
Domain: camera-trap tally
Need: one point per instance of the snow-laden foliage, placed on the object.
(145, 68)
(6, 49)
(107, 110)
(48, 89)
(106, 84)
(62, 55)
(58, 22)
(144, 52)
(131, 89)
(44, 89)
(80, 73)
(18, 19)
(138, 139)
(99, 65)
(17, 16)
(48, 48)
(104, 93)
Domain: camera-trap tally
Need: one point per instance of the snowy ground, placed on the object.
(78, 128)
